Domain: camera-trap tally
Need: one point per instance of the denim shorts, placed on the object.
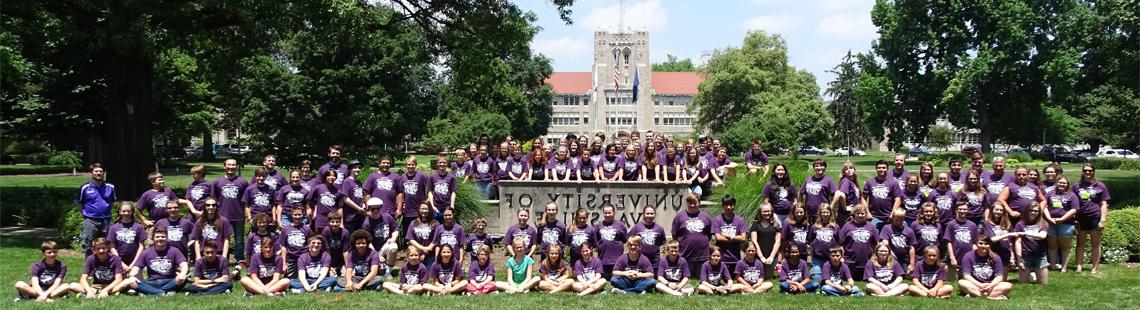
(1088, 223)
(1062, 230)
(1035, 262)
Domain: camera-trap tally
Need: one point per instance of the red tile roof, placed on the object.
(569, 82)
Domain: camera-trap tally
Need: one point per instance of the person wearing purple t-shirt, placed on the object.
(692, 229)
(798, 228)
(353, 203)
(478, 238)
(105, 272)
(1094, 199)
(983, 273)
(1030, 248)
(325, 198)
(288, 195)
(265, 275)
(729, 231)
(273, 178)
(554, 272)
(995, 182)
(461, 167)
(446, 273)
(848, 195)
(1063, 205)
(652, 235)
(443, 186)
(529, 167)
(673, 271)
(449, 233)
(929, 277)
(484, 171)
(884, 274)
(387, 186)
(817, 189)
(413, 276)
(837, 277)
(715, 277)
(228, 192)
(898, 172)
(153, 201)
(749, 272)
(416, 187)
(955, 177)
(259, 198)
(313, 268)
(561, 167)
(927, 230)
(631, 166)
(211, 273)
(944, 198)
(501, 154)
(178, 227)
(292, 242)
(610, 235)
(997, 227)
(382, 227)
(94, 202)
(336, 243)
(912, 198)
(959, 235)
(481, 272)
(550, 230)
(166, 268)
(976, 197)
(213, 227)
(780, 193)
(522, 231)
(696, 174)
(362, 266)
(198, 189)
(1019, 195)
(308, 179)
(900, 238)
(579, 233)
(585, 170)
(45, 277)
(128, 238)
(335, 164)
(610, 165)
(756, 159)
(420, 233)
(858, 237)
(881, 195)
(671, 165)
(632, 272)
(794, 273)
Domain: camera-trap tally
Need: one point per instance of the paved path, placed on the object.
(20, 231)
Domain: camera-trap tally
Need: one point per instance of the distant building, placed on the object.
(591, 102)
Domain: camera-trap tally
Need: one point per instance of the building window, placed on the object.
(565, 119)
(621, 118)
(621, 97)
(676, 119)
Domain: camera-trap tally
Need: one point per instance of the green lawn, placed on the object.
(1116, 287)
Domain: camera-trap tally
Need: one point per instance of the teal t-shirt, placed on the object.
(518, 269)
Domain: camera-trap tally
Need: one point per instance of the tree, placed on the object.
(940, 137)
(448, 133)
(846, 108)
(675, 65)
(752, 92)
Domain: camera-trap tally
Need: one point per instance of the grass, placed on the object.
(1065, 291)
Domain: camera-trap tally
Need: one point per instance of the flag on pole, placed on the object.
(617, 71)
(635, 82)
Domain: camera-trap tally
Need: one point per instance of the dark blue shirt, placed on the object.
(96, 199)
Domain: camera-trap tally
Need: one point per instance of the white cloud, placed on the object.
(848, 26)
(648, 15)
(561, 47)
(846, 5)
(778, 23)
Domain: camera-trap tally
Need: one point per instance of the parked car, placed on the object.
(192, 151)
(845, 152)
(919, 151)
(1117, 153)
(812, 150)
(1057, 154)
(238, 149)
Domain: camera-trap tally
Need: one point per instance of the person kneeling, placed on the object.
(211, 274)
(982, 273)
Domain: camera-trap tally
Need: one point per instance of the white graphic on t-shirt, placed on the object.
(230, 191)
(795, 274)
(630, 166)
(296, 239)
(728, 230)
(339, 178)
(695, 225)
(673, 273)
(174, 234)
(448, 238)
(445, 276)
(577, 238)
(995, 187)
(930, 234)
(272, 182)
(898, 241)
(266, 271)
(411, 188)
(587, 274)
(161, 265)
(608, 233)
(411, 278)
(1087, 192)
(126, 236)
(929, 278)
(973, 199)
(307, 186)
(380, 231)
(47, 276)
(824, 235)
(328, 199)
(197, 193)
(525, 237)
(782, 193)
(714, 278)
(884, 275)
(1027, 193)
(648, 237)
(752, 274)
(313, 269)
(295, 196)
(104, 273)
(550, 236)
(517, 168)
(483, 167)
(911, 204)
(944, 202)
(384, 184)
(159, 201)
(983, 271)
(502, 165)
(209, 232)
(963, 235)
(261, 199)
(880, 191)
(861, 235)
(441, 188)
(998, 231)
(813, 188)
(799, 236)
(422, 231)
(609, 166)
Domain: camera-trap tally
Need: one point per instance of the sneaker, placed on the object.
(617, 291)
(172, 294)
(247, 294)
(296, 291)
(132, 292)
(227, 292)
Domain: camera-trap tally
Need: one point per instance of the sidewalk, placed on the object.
(20, 231)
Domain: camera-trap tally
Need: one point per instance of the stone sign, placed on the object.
(628, 199)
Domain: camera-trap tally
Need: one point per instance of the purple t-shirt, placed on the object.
(445, 272)
(585, 271)
(415, 193)
(461, 168)
(796, 273)
(995, 183)
(957, 182)
(982, 268)
(641, 265)
(177, 232)
(901, 238)
(153, 202)
(851, 190)
(561, 169)
(836, 274)
(503, 167)
(693, 232)
(553, 273)
(781, 197)
(610, 167)
(578, 236)
(47, 274)
(673, 271)
(352, 190)
(885, 274)
(361, 264)
(945, 201)
(652, 238)
(289, 194)
(381, 229)
(817, 191)
(160, 265)
(385, 187)
(899, 176)
(1003, 248)
(449, 234)
(275, 179)
(197, 191)
(929, 275)
(881, 197)
(730, 250)
(586, 168)
(442, 186)
(126, 238)
(823, 239)
(912, 203)
(229, 192)
(800, 234)
(858, 241)
(716, 275)
(264, 268)
(631, 168)
(207, 231)
(294, 240)
(260, 199)
(1022, 196)
(207, 270)
(552, 233)
(421, 232)
(474, 241)
(336, 243)
(528, 235)
(977, 205)
(253, 242)
(752, 272)
(312, 265)
(1030, 246)
(611, 240)
(340, 168)
(962, 235)
(757, 159)
(102, 272)
(325, 200)
(925, 235)
(484, 169)
(517, 167)
(417, 274)
(1091, 195)
(1061, 203)
(480, 273)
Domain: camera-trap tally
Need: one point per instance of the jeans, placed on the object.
(633, 286)
(238, 247)
(157, 287)
(484, 188)
(287, 220)
(93, 228)
(785, 287)
(696, 189)
(832, 291)
(213, 290)
(326, 283)
(879, 223)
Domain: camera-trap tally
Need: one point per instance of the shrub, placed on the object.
(469, 204)
(30, 169)
(70, 228)
(1111, 163)
(35, 206)
(1122, 230)
(748, 189)
(65, 158)
(939, 159)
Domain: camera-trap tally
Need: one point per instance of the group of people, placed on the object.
(900, 232)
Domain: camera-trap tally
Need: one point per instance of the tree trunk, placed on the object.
(208, 146)
(129, 153)
(985, 137)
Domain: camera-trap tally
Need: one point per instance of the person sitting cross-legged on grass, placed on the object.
(362, 267)
(313, 268)
(211, 273)
(929, 276)
(554, 271)
(837, 280)
(46, 277)
(883, 273)
(447, 272)
(266, 274)
(715, 278)
(413, 275)
(794, 277)
(750, 272)
(103, 269)
(673, 271)
(166, 267)
(982, 273)
(632, 272)
(588, 271)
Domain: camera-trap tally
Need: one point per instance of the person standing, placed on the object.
(335, 164)
(94, 203)
(228, 191)
(274, 179)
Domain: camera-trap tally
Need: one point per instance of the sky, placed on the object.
(818, 32)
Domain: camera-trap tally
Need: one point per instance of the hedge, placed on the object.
(1122, 230)
(1112, 163)
(35, 206)
(34, 169)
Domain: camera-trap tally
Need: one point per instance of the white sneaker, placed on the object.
(617, 291)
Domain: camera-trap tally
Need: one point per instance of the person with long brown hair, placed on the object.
(1091, 215)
